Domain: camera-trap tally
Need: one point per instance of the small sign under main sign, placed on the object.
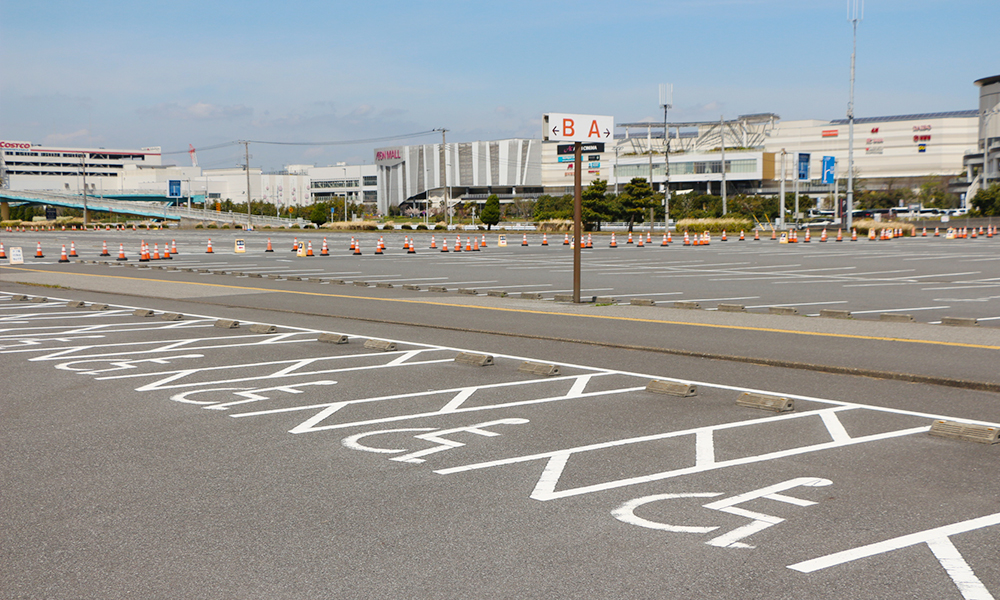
(241, 247)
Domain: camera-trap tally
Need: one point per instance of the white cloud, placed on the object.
(57, 139)
(199, 111)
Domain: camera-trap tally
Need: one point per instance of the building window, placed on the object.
(370, 180)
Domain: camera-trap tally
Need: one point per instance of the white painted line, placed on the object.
(834, 426)
(922, 537)
(799, 304)
(721, 299)
(652, 294)
(889, 310)
(960, 572)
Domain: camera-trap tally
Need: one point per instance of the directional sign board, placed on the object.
(241, 247)
(829, 165)
(577, 128)
(803, 166)
(173, 188)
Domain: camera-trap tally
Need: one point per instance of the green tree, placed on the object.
(935, 194)
(491, 212)
(320, 213)
(551, 207)
(596, 205)
(987, 201)
(636, 200)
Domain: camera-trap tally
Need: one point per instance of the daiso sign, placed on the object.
(18, 145)
(388, 156)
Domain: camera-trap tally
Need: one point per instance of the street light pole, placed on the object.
(855, 15)
(246, 147)
(666, 102)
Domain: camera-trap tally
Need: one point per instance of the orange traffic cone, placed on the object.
(822, 236)
(444, 245)
(614, 243)
(566, 240)
(475, 244)
(468, 245)
(458, 244)
(482, 244)
(62, 255)
(143, 256)
(406, 242)
(166, 253)
(924, 233)
(629, 238)
(2, 253)
(173, 246)
(295, 244)
(269, 248)
(104, 249)
(378, 248)
(545, 240)
(121, 252)
(854, 235)
(357, 249)
(670, 238)
(756, 235)
(38, 252)
(72, 250)
(808, 238)
(209, 250)
(325, 250)
(309, 249)
(524, 240)
(687, 240)
(433, 244)
(410, 250)
(664, 242)
(640, 244)
(840, 235)
(723, 235)
(353, 243)
(156, 251)
(742, 237)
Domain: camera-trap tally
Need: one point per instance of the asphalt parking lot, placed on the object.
(177, 458)
(923, 279)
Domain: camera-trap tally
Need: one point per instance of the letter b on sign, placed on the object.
(568, 128)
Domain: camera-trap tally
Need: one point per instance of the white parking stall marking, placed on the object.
(107, 328)
(444, 443)
(451, 407)
(71, 315)
(545, 488)
(249, 395)
(937, 539)
(293, 368)
(151, 347)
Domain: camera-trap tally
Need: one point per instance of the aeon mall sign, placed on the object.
(388, 157)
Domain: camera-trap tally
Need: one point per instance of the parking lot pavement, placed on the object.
(928, 280)
(191, 456)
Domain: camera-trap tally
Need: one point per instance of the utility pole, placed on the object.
(246, 147)
(854, 16)
(722, 133)
(83, 170)
(444, 175)
(666, 102)
(782, 199)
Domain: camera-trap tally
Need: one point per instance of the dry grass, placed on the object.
(732, 225)
(555, 225)
(864, 225)
(351, 226)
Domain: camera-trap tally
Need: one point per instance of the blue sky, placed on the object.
(122, 74)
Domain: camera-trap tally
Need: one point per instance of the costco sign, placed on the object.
(19, 145)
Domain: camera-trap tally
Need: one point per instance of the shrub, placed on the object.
(213, 226)
(440, 225)
(422, 226)
(199, 226)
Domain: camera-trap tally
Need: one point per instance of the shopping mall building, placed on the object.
(760, 150)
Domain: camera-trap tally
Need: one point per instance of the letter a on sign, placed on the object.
(577, 128)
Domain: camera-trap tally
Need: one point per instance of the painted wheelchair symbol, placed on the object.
(731, 539)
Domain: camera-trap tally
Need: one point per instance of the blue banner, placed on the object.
(829, 169)
(803, 166)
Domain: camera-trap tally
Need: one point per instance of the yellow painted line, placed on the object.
(537, 312)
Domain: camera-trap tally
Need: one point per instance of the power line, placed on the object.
(345, 142)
